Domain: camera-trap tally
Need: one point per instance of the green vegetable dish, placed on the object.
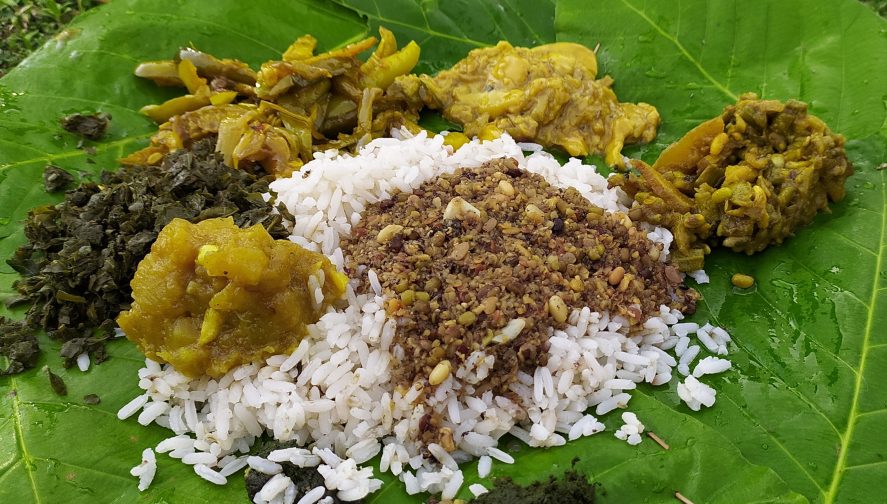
(781, 198)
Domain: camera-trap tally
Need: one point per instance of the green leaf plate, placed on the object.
(799, 417)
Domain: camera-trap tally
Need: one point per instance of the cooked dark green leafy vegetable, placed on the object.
(85, 340)
(55, 178)
(56, 382)
(573, 488)
(18, 344)
(91, 126)
(305, 478)
(82, 253)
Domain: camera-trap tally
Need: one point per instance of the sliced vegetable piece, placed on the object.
(175, 106)
(302, 48)
(163, 73)
(188, 75)
(686, 152)
(383, 73)
(663, 188)
(208, 65)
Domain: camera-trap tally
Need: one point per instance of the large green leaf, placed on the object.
(811, 347)
(446, 31)
(57, 449)
(802, 402)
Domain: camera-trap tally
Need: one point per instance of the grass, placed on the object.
(26, 24)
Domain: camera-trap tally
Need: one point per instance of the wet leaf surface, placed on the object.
(798, 418)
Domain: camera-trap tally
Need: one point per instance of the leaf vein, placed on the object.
(863, 466)
(764, 51)
(76, 152)
(80, 467)
(813, 341)
(871, 412)
(84, 100)
(524, 22)
(852, 418)
(20, 145)
(27, 124)
(22, 448)
(109, 53)
(68, 405)
(781, 446)
(851, 242)
(198, 20)
(8, 467)
(683, 51)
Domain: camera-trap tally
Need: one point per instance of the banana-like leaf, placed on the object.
(797, 418)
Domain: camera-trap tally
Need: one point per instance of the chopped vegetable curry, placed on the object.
(279, 116)
(745, 179)
(211, 296)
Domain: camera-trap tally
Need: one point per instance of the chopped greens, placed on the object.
(18, 345)
(305, 478)
(89, 126)
(82, 253)
(55, 179)
(56, 382)
(573, 487)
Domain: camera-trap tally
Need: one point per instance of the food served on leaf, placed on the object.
(89, 126)
(485, 261)
(287, 110)
(18, 346)
(746, 179)
(572, 487)
(490, 293)
(82, 253)
(211, 296)
(56, 179)
(547, 95)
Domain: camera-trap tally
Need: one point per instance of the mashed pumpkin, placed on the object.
(211, 296)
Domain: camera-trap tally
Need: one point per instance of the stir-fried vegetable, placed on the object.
(281, 114)
(745, 179)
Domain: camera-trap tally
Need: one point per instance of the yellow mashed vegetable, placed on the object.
(211, 296)
(549, 94)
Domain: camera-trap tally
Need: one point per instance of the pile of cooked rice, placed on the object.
(334, 394)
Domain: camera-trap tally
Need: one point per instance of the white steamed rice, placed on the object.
(334, 392)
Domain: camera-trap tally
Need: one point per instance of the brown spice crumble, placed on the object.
(467, 253)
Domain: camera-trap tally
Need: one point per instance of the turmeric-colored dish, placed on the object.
(211, 296)
(746, 179)
(549, 94)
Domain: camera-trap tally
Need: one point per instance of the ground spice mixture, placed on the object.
(490, 258)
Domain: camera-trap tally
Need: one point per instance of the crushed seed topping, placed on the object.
(490, 258)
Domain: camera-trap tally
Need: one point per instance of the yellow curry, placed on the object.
(211, 296)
